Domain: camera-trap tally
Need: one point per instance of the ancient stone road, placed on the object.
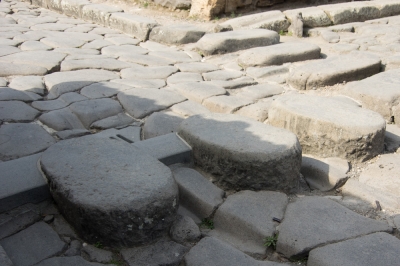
(240, 147)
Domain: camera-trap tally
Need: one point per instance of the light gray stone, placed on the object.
(222, 75)
(149, 200)
(49, 60)
(196, 67)
(11, 69)
(174, 56)
(60, 261)
(257, 111)
(3, 82)
(28, 83)
(296, 25)
(184, 230)
(146, 60)
(62, 42)
(96, 254)
(184, 77)
(308, 225)
(19, 140)
(141, 83)
(62, 119)
(99, 13)
(268, 157)
(176, 34)
(174, 4)
(105, 31)
(122, 40)
(51, 26)
(189, 108)
(78, 52)
(97, 44)
(259, 91)
(312, 16)
(232, 41)
(6, 50)
(198, 91)
(141, 72)
(161, 123)
(234, 83)
(16, 111)
(226, 104)
(105, 63)
(118, 120)
(392, 138)
(73, 7)
(330, 36)
(137, 26)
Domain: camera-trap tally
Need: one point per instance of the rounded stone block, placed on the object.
(110, 192)
(243, 154)
(328, 127)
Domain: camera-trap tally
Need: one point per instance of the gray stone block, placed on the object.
(17, 111)
(4, 259)
(176, 34)
(184, 230)
(99, 13)
(137, 26)
(11, 224)
(96, 254)
(161, 123)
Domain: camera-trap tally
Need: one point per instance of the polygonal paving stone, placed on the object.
(222, 75)
(10, 69)
(142, 83)
(99, 13)
(51, 26)
(8, 94)
(226, 104)
(4, 41)
(103, 89)
(146, 60)
(123, 50)
(189, 108)
(96, 44)
(16, 111)
(142, 102)
(243, 154)
(333, 70)
(184, 77)
(118, 120)
(259, 91)
(161, 123)
(308, 224)
(174, 56)
(49, 60)
(141, 72)
(62, 101)
(198, 91)
(143, 195)
(18, 140)
(65, 42)
(28, 83)
(328, 127)
(62, 119)
(6, 50)
(176, 34)
(75, 260)
(33, 244)
(98, 63)
(197, 67)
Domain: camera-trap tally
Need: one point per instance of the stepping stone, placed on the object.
(327, 72)
(142, 83)
(8, 94)
(137, 26)
(365, 250)
(146, 199)
(163, 252)
(141, 72)
(225, 104)
(62, 119)
(123, 50)
(176, 34)
(142, 102)
(222, 75)
(232, 41)
(312, 16)
(75, 260)
(196, 67)
(196, 193)
(28, 83)
(243, 148)
(175, 56)
(6, 50)
(107, 64)
(329, 127)
(118, 120)
(33, 244)
(69, 81)
(308, 225)
(103, 89)
(49, 60)
(245, 219)
(22, 183)
(63, 101)
(324, 174)
(184, 77)
(17, 112)
(19, 140)
(161, 123)
(10, 69)
(146, 60)
(198, 91)
(279, 54)
(189, 108)
(211, 251)
(99, 13)
(122, 40)
(257, 111)
(380, 101)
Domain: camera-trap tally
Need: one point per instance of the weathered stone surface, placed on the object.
(234, 83)
(142, 83)
(99, 13)
(161, 123)
(259, 91)
(49, 60)
(353, 66)
(222, 75)
(6, 50)
(174, 4)
(351, 12)
(225, 104)
(330, 36)
(96, 254)
(141, 72)
(142, 102)
(189, 108)
(392, 138)
(77, 51)
(62, 42)
(312, 16)
(184, 77)
(198, 91)
(174, 56)
(268, 157)
(28, 83)
(122, 40)
(137, 26)
(19, 218)
(232, 41)
(11, 69)
(279, 54)
(62, 119)
(103, 89)
(308, 225)
(33, 244)
(140, 214)
(146, 60)
(122, 50)
(4, 259)
(257, 111)
(8, 94)
(97, 44)
(365, 250)
(176, 34)
(73, 133)
(118, 120)
(16, 111)
(329, 127)
(73, 7)
(196, 67)
(75, 260)
(18, 140)
(61, 102)
(184, 230)
(161, 253)
(3, 82)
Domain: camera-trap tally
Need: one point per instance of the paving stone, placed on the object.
(312, 16)
(128, 134)
(184, 230)
(308, 225)
(222, 75)
(75, 260)
(3, 82)
(83, 29)
(279, 54)
(197, 194)
(9, 94)
(155, 46)
(380, 101)
(257, 111)
(259, 91)
(198, 91)
(4, 259)
(73, 133)
(260, 73)
(21, 183)
(63, 101)
(330, 36)
(137, 26)
(103, 89)
(99, 13)
(142, 83)
(175, 4)
(6, 50)
(104, 31)
(151, 194)
(365, 250)
(196, 67)
(340, 130)
(161, 253)
(225, 104)
(324, 174)
(77, 51)
(142, 102)
(96, 254)
(62, 42)
(18, 219)
(327, 72)
(232, 41)
(210, 251)
(247, 148)
(10, 69)
(96, 44)
(16, 111)
(392, 138)
(189, 108)
(62, 119)
(28, 83)
(123, 40)
(18, 140)
(69, 81)
(51, 26)
(118, 120)
(176, 34)
(351, 12)
(9, 42)
(33, 244)
(184, 77)
(49, 60)
(146, 60)
(344, 48)
(161, 123)
(234, 83)
(106, 64)
(174, 56)
(87, 56)
(74, 249)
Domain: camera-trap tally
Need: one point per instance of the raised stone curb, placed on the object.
(137, 26)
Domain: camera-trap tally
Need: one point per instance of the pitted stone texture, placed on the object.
(137, 26)
(62, 42)
(243, 154)
(312, 16)
(279, 54)
(329, 127)
(353, 66)
(176, 34)
(142, 102)
(196, 67)
(245, 218)
(103, 89)
(140, 72)
(16, 111)
(161, 123)
(75, 260)
(47, 59)
(141, 204)
(62, 119)
(189, 108)
(381, 101)
(232, 41)
(198, 91)
(196, 193)
(63, 82)
(18, 140)
(308, 225)
(374, 249)
(33, 244)
(28, 83)
(95, 63)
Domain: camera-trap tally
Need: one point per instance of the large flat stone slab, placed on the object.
(28, 83)
(11, 69)
(105, 63)
(62, 119)
(243, 154)
(140, 72)
(336, 69)
(198, 91)
(46, 59)
(279, 54)
(17, 111)
(232, 41)
(138, 208)
(308, 224)
(328, 127)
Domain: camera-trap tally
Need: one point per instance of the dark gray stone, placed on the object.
(9, 94)
(74, 249)
(129, 134)
(185, 230)
(62, 119)
(122, 50)
(161, 123)
(63, 101)
(73, 133)
(4, 259)
(12, 224)
(96, 254)
(62, 227)
(118, 120)
(67, 261)
(104, 89)
(16, 111)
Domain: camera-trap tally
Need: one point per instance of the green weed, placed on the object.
(270, 241)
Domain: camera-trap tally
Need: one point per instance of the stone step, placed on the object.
(177, 34)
